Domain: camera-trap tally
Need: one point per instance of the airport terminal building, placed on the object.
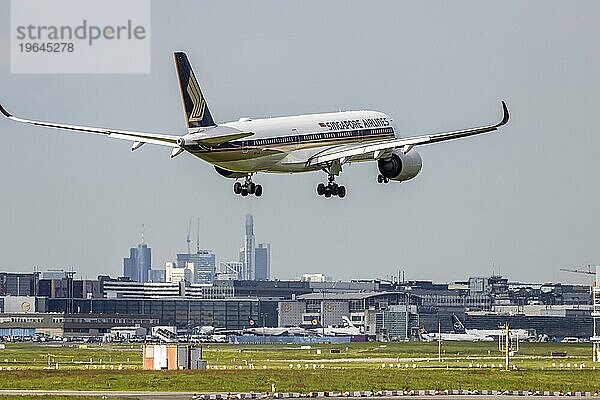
(57, 304)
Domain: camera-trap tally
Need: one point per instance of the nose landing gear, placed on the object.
(382, 179)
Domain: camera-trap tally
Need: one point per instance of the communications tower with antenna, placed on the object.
(188, 239)
(198, 236)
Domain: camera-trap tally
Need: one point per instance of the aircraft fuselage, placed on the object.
(284, 144)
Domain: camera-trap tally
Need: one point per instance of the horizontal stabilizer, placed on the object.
(216, 140)
(211, 141)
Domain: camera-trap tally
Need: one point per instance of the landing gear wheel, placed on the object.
(237, 188)
(248, 187)
(386, 180)
(380, 178)
(320, 189)
(331, 188)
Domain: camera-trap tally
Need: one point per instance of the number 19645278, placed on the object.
(54, 47)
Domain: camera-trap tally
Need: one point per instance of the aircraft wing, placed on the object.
(383, 148)
(138, 138)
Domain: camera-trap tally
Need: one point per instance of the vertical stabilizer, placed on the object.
(197, 114)
(457, 325)
(348, 322)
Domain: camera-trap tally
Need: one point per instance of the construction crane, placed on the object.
(189, 240)
(591, 270)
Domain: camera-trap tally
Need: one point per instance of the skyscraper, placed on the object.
(137, 265)
(204, 265)
(248, 250)
(256, 261)
(202, 262)
(262, 260)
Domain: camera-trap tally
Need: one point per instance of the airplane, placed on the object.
(453, 337)
(206, 330)
(302, 143)
(349, 329)
(273, 331)
(209, 330)
(521, 334)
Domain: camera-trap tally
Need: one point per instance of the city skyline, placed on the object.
(479, 204)
(202, 265)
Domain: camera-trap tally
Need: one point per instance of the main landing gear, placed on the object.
(382, 179)
(248, 187)
(331, 189)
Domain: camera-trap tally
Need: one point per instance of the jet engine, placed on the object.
(400, 167)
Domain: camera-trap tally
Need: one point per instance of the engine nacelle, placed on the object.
(229, 174)
(400, 167)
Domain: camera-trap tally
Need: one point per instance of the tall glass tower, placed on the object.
(204, 265)
(249, 257)
(139, 262)
(262, 262)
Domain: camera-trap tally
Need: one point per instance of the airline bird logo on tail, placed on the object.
(197, 113)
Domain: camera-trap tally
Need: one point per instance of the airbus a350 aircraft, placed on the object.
(293, 144)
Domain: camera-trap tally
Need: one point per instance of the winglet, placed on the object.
(506, 115)
(6, 113)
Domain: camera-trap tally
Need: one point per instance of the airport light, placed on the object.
(439, 341)
(508, 344)
(596, 317)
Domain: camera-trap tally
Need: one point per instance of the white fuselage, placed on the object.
(520, 334)
(270, 331)
(456, 337)
(344, 331)
(285, 144)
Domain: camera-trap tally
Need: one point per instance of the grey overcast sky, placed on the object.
(523, 203)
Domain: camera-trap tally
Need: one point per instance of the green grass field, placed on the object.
(357, 366)
(52, 397)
